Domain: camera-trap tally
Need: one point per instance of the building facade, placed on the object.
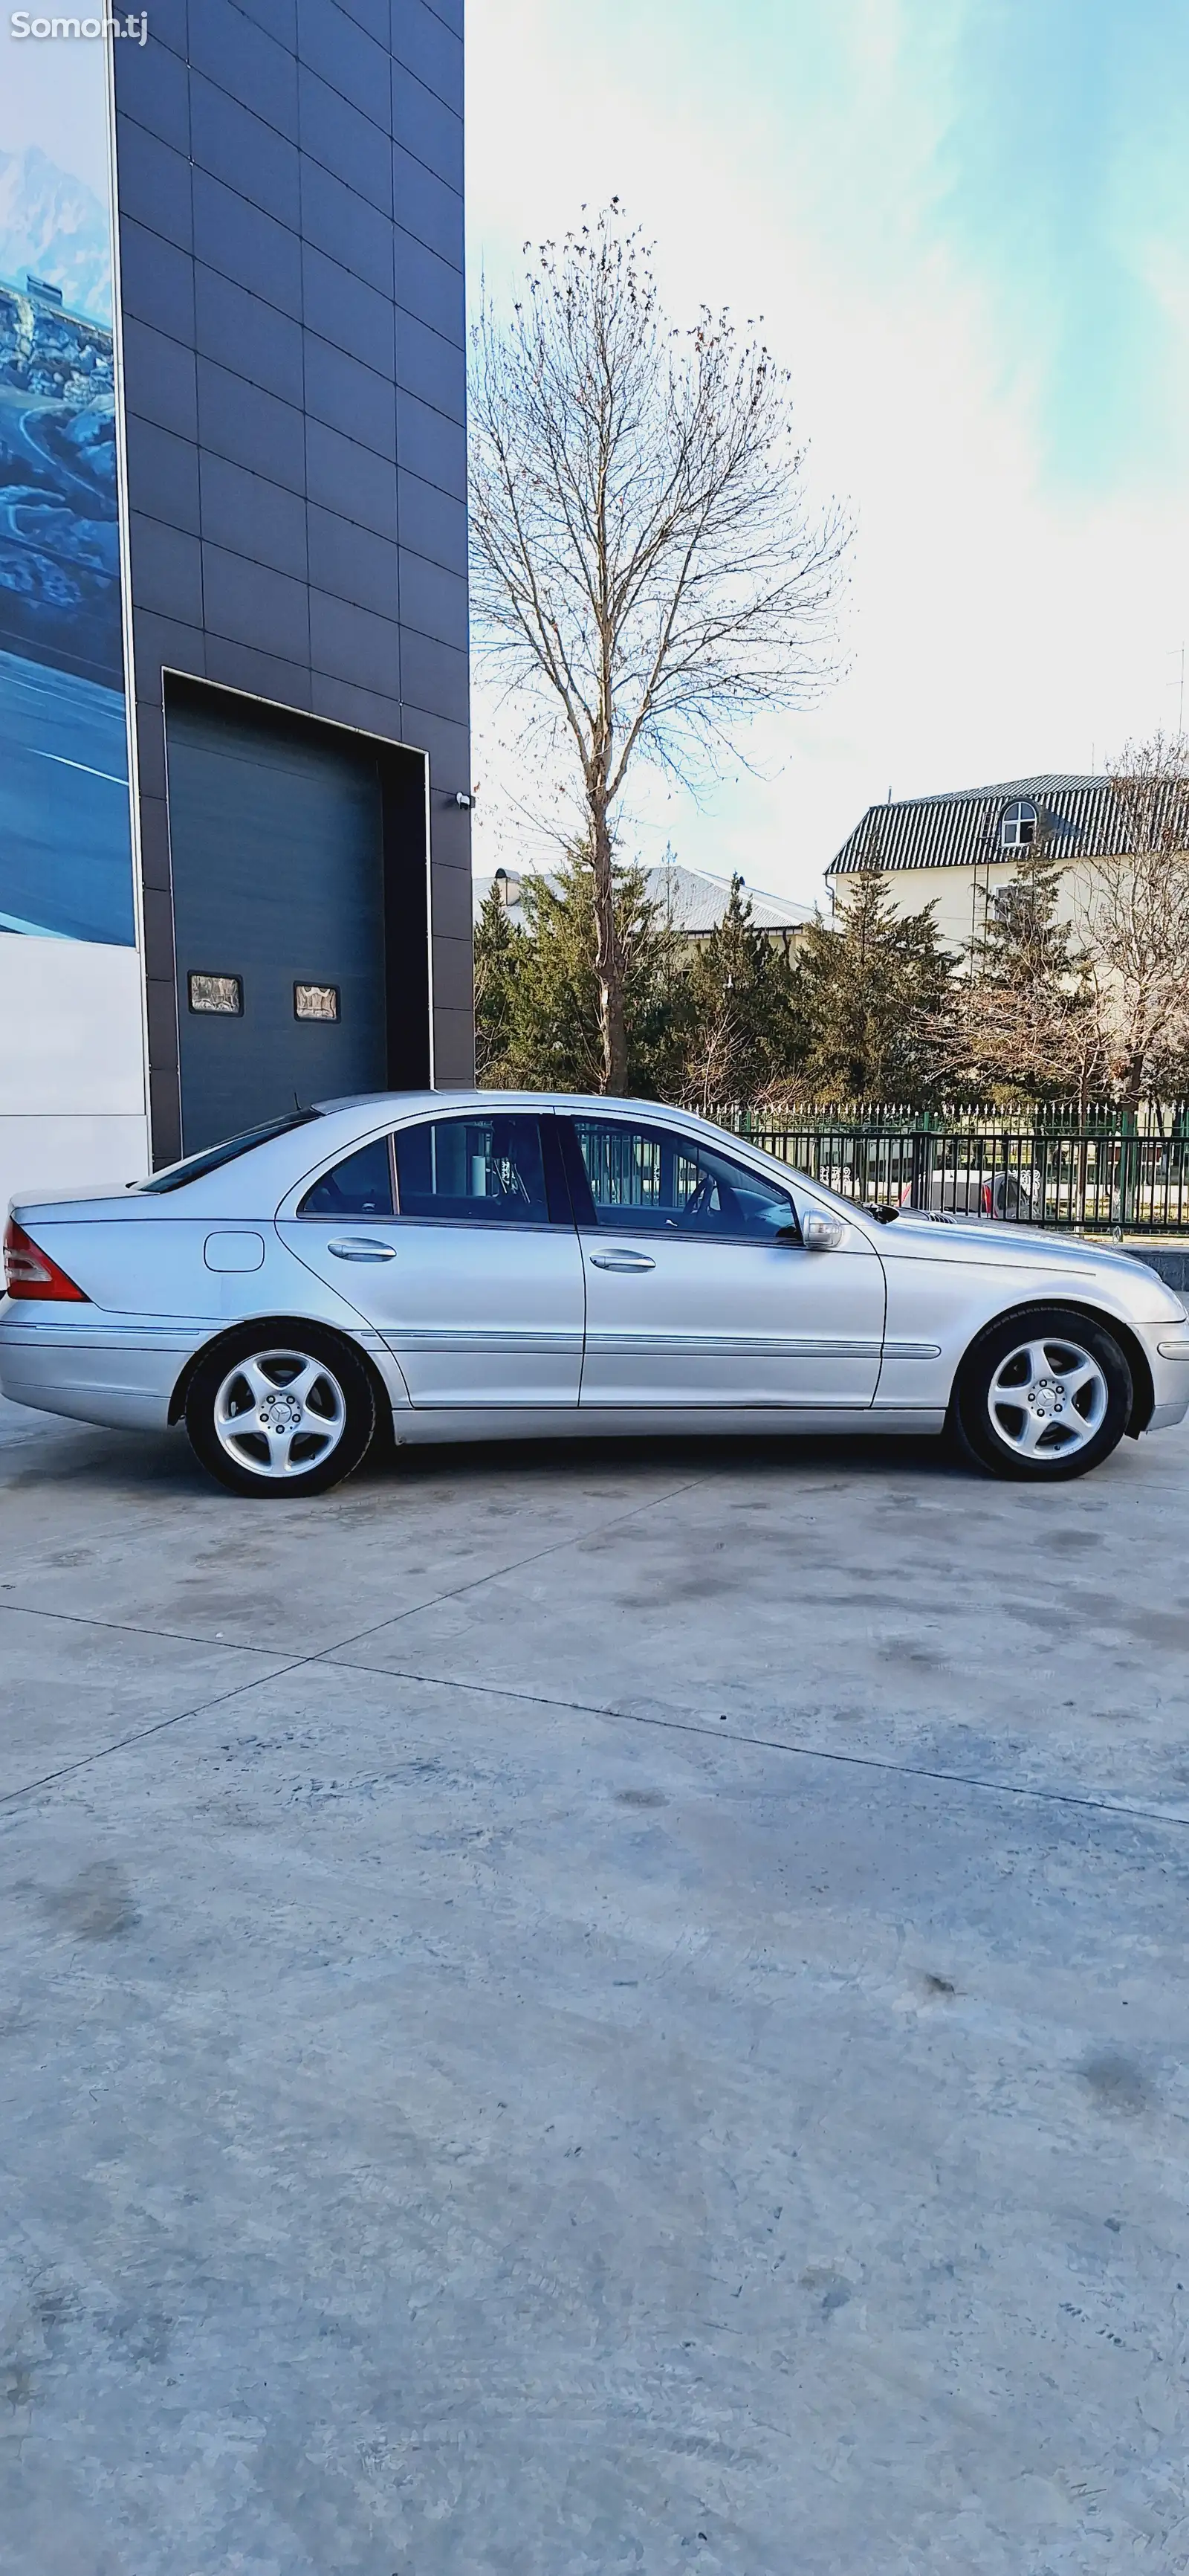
(234, 749)
(960, 851)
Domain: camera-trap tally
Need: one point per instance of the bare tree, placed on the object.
(1134, 916)
(646, 562)
(1027, 1038)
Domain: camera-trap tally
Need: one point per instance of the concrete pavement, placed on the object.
(594, 2010)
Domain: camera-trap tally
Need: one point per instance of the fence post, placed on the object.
(1129, 1155)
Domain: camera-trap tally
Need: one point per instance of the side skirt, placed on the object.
(413, 1427)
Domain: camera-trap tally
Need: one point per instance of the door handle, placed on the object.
(362, 1247)
(622, 1261)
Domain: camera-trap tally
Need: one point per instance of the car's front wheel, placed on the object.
(281, 1410)
(1043, 1396)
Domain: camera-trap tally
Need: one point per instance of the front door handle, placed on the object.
(624, 1260)
(362, 1247)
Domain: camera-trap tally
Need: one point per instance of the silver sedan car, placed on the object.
(457, 1265)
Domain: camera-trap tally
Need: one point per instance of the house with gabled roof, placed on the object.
(961, 849)
(689, 899)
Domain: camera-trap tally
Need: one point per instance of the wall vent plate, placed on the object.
(222, 993)
(316, 1001)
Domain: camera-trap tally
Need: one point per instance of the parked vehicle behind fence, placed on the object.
(1015, 1196)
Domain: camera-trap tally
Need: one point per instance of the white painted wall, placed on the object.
(960, 895)
(72, 1095)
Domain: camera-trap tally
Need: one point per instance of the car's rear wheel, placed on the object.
(280, 1409)
(1043, 1396)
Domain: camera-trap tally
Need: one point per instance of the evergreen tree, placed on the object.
(1028, 1020)
(499, 950)
(743, 1019)
(1023, 944)
(868, 994)
(540, 1011)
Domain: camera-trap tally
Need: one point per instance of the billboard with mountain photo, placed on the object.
(65, 841)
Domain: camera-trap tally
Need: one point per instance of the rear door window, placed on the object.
(490, 1171)
(359, 1186)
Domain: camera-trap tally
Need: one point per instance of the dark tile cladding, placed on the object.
(291, 241)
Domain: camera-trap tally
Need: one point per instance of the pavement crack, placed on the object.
(296, 1664)
(769, 1743)
(141, 1734)
(339, 1658)
(134, 1628)
(473, 1583)
(241, 1646)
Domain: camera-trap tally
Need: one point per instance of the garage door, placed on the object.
(278, 893)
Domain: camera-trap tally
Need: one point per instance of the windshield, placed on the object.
(177, 1175)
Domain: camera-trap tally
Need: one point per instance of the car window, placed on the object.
(652, 1180)
(360, 1186)
(177, 1175)
(490, 1170)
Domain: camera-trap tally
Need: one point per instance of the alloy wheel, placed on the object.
(279, 1414)
(1048, 1397)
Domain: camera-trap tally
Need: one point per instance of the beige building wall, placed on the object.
(962, 895)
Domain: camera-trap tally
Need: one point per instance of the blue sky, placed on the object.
(1066, 185)
(966, 224)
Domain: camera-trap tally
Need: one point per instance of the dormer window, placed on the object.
(1018, 827)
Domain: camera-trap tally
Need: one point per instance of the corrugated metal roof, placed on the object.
(960, 827)
(693, 901)
(1051, 784)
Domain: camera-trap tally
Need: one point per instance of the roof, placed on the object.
(959, 828)
(693, 901)
(1054, 783)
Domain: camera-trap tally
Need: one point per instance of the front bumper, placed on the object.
(1167, 1349)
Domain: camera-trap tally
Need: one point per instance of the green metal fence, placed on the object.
(1111, 1172)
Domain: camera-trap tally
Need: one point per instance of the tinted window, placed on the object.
(361, 1186)
(489, 1169)
(654, 1181)
(177, 1175)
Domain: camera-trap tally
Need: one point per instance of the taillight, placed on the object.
(30, 1272)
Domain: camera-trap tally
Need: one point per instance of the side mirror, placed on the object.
(820, 1232)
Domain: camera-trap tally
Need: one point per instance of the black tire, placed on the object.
(337, 1408)
(991, 1426)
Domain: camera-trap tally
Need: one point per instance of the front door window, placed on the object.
(652, 1180)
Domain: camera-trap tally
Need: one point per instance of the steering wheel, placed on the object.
(701, 1200)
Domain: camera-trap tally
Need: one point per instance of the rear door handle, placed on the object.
(362, 1247)
(622, 1261)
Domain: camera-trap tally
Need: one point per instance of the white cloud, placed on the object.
(995, 624)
